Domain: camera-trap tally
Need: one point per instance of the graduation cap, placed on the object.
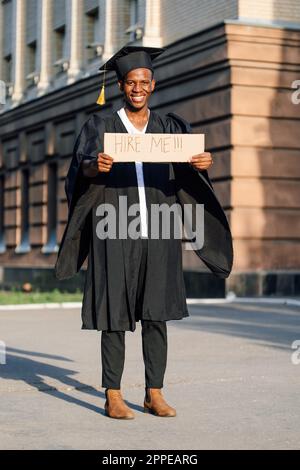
(127, 59)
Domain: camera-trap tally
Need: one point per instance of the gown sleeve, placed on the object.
(195, 187)
(87, 146)
(74, 246)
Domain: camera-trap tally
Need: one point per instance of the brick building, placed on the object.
(229, 69)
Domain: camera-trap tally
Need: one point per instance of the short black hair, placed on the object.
(122, 79)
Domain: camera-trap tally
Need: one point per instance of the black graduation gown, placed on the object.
(110, 290)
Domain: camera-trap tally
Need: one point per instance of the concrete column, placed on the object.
(109, 46)
(2, 77)
(116, 22)
(20, 51)
(1, 44)
(46, 45)
(76, 46)
(152, 36)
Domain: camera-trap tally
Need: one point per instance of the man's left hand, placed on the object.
(202, 161)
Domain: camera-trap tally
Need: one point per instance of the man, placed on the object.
(131, 279)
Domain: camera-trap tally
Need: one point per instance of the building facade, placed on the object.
(231, 69)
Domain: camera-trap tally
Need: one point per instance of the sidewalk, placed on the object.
(229, 375)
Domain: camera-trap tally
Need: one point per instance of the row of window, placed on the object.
(93, 29)
(24, 244)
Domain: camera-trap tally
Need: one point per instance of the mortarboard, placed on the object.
(127, 59)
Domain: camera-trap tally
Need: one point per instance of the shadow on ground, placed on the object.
(269, 325)
(19, 366)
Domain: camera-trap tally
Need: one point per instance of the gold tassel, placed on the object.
(101, 97)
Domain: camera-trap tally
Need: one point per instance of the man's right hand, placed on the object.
(101, 164)
(104, 162)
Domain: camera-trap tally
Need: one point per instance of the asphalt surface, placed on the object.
(230, 375)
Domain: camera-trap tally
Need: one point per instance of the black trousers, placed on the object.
(154, 341)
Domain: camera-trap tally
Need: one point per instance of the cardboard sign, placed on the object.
(152, 147)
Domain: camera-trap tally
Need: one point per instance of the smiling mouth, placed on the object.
(138, 99)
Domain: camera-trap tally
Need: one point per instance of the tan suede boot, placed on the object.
(115, 407)
(155, 403)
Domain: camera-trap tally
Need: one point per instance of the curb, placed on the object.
(246, 300)
(227, 300)
(39, 306)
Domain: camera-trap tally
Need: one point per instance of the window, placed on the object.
(133, 12)
(93, 47)
(6, 59)
(59, 32)
(24, 245)
(2, 237)
(7, 27)
(90, 5)
(7, 66)
(59, 13)
(31, 42)
(51, 245)
(31, 61)
(25, 207)
(93, 31)
(59, 43)
(135, 31)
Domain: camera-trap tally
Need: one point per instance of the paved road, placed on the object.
(229, 375)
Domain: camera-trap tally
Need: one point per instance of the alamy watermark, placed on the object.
(166, 222)
(296, 94)
(295, 356)
(2, 92)
(2, 353)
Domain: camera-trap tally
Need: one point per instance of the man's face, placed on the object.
(137, 87)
